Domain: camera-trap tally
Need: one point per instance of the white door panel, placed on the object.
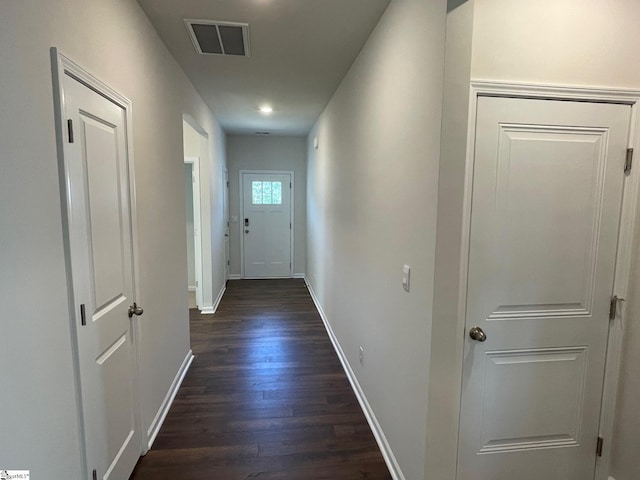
(267, 225)
(102, 271)
(547, 190)
(227, 255)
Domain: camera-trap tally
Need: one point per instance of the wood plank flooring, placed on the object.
(266, 397)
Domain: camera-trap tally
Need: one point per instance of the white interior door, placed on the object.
(266, 225)
(547, 190)
(227, 257)
(102, 270)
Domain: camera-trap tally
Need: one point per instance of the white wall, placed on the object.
(372, 194)
(576, 42)
(625, 460)
(573, 42)
(113, 40)
(246, 152)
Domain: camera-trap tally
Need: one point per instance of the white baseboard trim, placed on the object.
(385, 448)
(266, 278)
(237, 276)
(611, 478)
(216, 304)
(191, 288)
(153, 430)
(212, 309)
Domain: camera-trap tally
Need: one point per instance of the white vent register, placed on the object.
(211, 37)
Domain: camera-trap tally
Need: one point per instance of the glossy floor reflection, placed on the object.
(266, 397)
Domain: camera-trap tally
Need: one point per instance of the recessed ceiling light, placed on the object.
(266, 109)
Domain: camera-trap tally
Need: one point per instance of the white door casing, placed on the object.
(267, 226)
(547, 190)
(197, 226)
(100, 253)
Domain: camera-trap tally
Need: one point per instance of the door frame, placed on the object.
(226, 224)
(61, 66)
(197, 224)
(203, 153)
(481, 88)
(241, 223)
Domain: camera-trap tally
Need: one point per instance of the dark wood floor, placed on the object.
(266, 397)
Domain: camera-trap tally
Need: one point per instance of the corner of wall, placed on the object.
(446, 353)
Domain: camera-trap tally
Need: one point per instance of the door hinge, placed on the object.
(227, 184)
(289, 225)
(94, 475)
(228, 262)
(289, 184)
(613, 306)
(628, 162)
(83, 315)
(70, 130)
(599, 445)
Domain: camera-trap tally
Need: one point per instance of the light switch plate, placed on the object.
(406, 277)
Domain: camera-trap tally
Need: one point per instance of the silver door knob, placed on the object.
(135, 310)
(477, 334)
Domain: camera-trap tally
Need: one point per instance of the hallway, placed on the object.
(265, 397)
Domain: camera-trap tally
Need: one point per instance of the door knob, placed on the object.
(246, 231)
(135, 310)
(477, 334)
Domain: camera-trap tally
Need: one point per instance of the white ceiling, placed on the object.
(300, 51)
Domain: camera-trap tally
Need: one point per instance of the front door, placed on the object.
(547, 190)
(97, 182)
(266, 225)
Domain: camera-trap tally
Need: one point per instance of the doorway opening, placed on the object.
(198, 215)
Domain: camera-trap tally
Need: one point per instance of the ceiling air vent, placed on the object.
(219, 38)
